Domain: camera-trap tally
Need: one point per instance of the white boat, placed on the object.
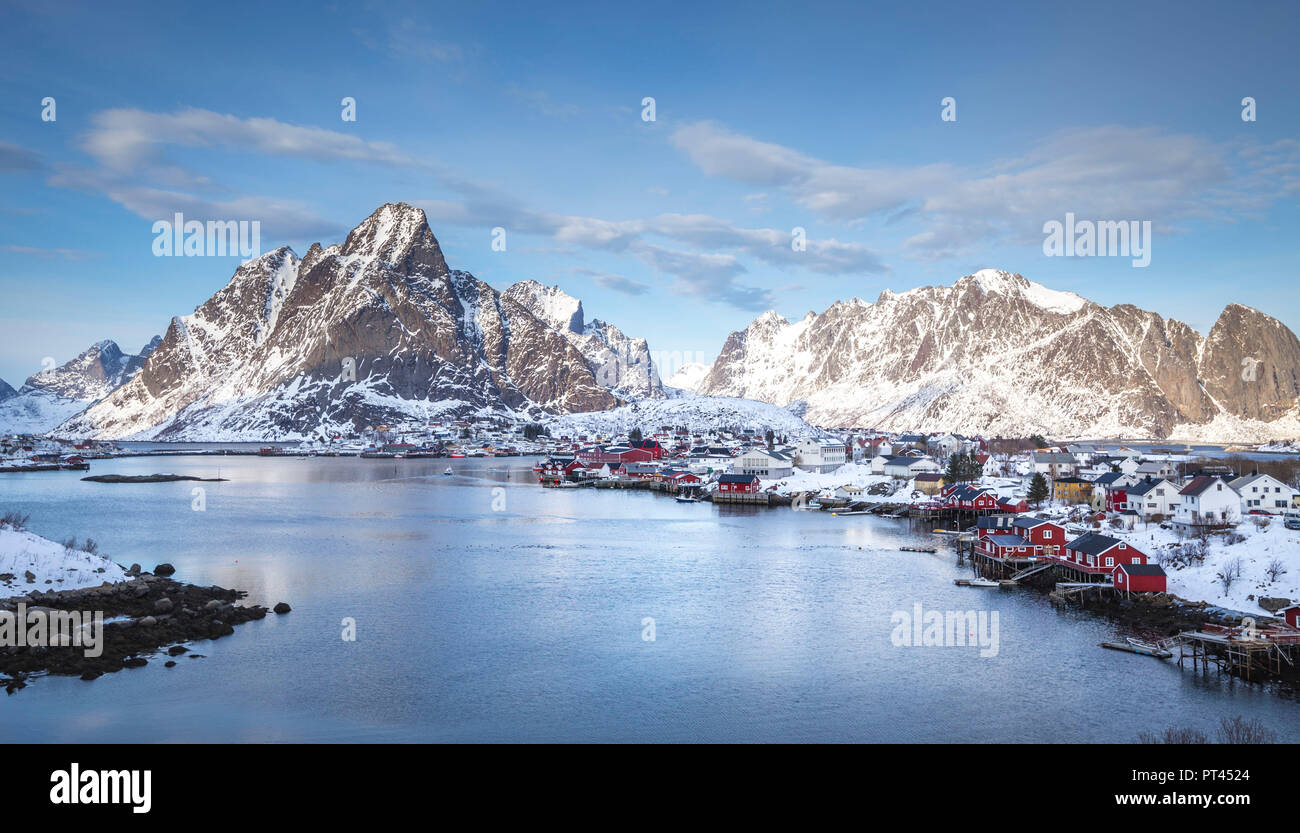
(688, 500)
(982, 582)
(447, 471)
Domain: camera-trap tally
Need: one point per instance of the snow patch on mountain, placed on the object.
(696, 413)
(688, 376)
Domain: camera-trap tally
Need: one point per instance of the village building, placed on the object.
(928, 483)
(1263, 493)
(1140, 578)
(1097, 554)
(744, 484)
(906, 467)
(764, 463)
(1053, 464)
(1155, 468)
(1071, 490)
(1207, 502)
(1155, 498)
(819, 455)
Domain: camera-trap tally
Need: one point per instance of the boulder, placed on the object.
(1273, 603)
(282, 607)
(163, 605)
(164, 569)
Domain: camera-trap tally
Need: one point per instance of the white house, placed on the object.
(819, 455)
(1054, 464)
(1156, 468)
(1207, 501)
(766, 464)
(1154, 496)
(905, 468)
(1263, 492)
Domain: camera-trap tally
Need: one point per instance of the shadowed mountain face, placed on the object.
(375, 330)
(997, 354)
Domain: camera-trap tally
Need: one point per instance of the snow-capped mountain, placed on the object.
(6, 391)
(52, 396)
(689, 376)
(622, 364)
(997, 354)
(375, 330)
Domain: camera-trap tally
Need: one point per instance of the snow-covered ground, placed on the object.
(1200, 582)
(698, 413)
(22, 552)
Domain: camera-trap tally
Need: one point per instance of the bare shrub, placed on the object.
(14, 520)
(1174, 735)
(1275, 569)
(1261, 522)
(1231, 571)
(93, 548)
(1240, 730)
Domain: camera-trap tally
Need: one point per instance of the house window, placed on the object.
(1110, 562)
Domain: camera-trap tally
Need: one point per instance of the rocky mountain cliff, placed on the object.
(375, 330)
(49, 397)
(997, 354)
(621, 363)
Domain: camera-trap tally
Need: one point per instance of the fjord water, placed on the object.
(487, 608)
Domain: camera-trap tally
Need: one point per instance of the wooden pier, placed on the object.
(1270, 653)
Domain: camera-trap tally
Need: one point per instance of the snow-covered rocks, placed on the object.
(29, 562)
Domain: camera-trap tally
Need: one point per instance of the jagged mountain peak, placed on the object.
(395, 233)
(372, 331)
(551, 304)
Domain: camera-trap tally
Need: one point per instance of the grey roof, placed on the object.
(1143, 569)
(1093, 543)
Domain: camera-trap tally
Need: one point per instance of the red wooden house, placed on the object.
(1100, 554)
(745, 484)
(1140, 578)
(970, 498)
(1291, 615)
(1048, 537)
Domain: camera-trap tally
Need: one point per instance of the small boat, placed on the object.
(918, 549)
(1137, 646)
(448, 472)
(852, 512)
(688, 499)
(982, 582)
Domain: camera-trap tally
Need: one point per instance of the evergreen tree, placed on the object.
(634, 435)
(1038, 490)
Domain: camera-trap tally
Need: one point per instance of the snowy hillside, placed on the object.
(697, 413)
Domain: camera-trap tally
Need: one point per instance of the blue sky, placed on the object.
(768, 117)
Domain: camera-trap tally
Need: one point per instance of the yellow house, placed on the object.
(1071, 490)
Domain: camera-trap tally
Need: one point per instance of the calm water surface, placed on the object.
(526, 623)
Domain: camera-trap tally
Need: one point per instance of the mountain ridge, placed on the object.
(997, 353)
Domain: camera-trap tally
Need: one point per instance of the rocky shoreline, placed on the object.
(151, 613)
